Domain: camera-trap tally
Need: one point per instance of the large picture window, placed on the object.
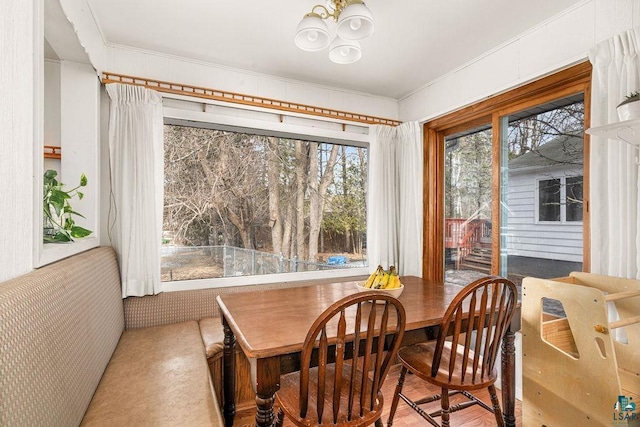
(239, 204)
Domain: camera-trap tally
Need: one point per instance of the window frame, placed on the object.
(562, 199)
(268, 123)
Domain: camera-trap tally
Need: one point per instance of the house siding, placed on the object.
(527, 237)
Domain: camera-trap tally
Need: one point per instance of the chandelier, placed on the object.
(354, 22)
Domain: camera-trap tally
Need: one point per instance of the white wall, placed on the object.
(52, 102)
(78, 114)
(140, 63)
(80, 130)
(22, 134)
(20, 45)
(556, 44)
(51, 111)
(86, 28)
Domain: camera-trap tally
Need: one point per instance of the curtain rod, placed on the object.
(238, 98)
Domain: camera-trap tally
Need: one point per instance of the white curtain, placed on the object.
(136, 166)
(615, 240)
(394, 226)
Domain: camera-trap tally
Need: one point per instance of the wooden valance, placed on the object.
(238, 98)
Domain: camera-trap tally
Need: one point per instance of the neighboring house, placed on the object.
(545, 201)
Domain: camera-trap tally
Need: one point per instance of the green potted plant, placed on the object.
(59, 225)
(630, 107)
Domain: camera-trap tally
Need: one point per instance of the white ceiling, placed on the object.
(415, 41)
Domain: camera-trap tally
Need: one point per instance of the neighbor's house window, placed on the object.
(238, 204)
(560, 199)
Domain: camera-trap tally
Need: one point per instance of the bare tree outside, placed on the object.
(239, 204)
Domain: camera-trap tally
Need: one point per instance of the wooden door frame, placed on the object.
(570, 81)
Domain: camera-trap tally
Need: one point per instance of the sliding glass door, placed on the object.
(468, 204)
(541, 182)
(542, 189)
(507, 184)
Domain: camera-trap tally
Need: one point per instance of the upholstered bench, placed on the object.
(200, 305)
(66, 358)
(156, 376)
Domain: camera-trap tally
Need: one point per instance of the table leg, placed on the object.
(267, 383)
(509, 378)
(229, 374)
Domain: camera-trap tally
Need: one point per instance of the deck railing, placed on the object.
(465, 234)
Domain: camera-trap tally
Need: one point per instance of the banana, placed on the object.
(394, 279)
(379, 275)
(384, 281)
(394, 282)
(370, 279)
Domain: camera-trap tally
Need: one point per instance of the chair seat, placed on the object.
(288, 398)
(417, 358)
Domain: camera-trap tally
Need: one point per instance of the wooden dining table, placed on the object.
(270, 327)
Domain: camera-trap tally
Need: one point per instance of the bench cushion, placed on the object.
(157, 376)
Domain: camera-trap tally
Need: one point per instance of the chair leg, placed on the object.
(280, 418)
(379, 423)
(396, 396)
(445, 407)
(496, 405)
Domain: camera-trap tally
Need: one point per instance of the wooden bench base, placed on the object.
(213, 336)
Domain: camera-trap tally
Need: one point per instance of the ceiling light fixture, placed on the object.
(354, 22)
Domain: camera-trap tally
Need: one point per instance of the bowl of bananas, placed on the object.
(383, 280)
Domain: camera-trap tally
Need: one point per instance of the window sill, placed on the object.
(559, 223)
(223, 282)
(52, 252)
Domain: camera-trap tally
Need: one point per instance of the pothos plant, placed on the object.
(59, 225)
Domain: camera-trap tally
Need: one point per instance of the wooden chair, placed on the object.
(462, 358)
(340, 377)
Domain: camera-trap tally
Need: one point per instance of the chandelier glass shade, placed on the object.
(354, 22)
(312, 33)
(343, 51)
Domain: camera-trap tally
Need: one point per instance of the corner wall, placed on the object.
(20, 45)
(553, 45)
(154, 65)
